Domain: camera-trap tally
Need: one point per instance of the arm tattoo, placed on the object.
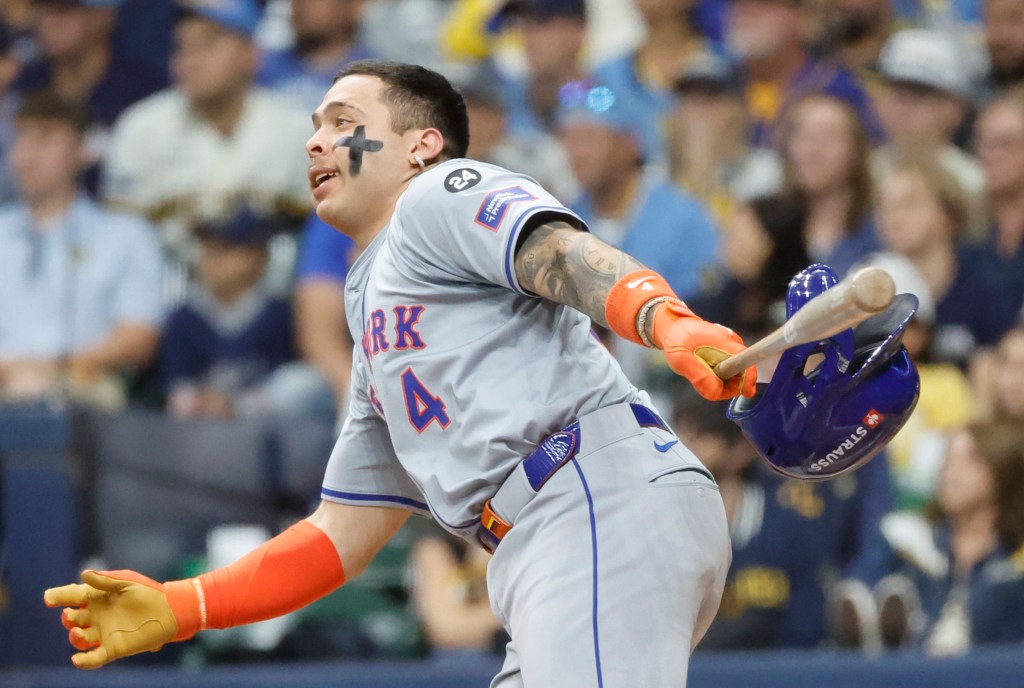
(563, 264)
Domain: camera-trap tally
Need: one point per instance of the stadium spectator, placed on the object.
(228, 351)
(709, 154)
(1000, 144)
(213, 140)
(642, 213)
(79, 285)
(959, 583)
(10, 66)
(997, 378)
(768, 36)
(448, 590)
(762, 248)
(825, 151)
(921, 214)
(553, 34)
(1004, 40)
(782, 534)
(77, 60)
(924, 101)
(642, 80)
(325, 39)
(854, 33)
(535, 153)
(1009, 384)
(322, 331)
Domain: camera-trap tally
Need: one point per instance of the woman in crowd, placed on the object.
(960, 583)
(825, 151)
(922, 211)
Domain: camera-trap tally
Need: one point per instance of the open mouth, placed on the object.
(323, 177)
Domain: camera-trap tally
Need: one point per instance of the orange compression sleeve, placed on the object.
(286, 573)
(627, 298)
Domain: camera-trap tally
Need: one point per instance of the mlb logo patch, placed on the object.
(873, 419)
(492, 210)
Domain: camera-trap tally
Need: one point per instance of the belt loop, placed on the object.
(647, 418)
(492, 528)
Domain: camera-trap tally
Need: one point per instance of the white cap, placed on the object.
(927, 57)
(908, 280)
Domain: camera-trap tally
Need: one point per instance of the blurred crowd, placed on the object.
(159, 249)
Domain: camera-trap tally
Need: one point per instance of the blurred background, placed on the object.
(174, 357)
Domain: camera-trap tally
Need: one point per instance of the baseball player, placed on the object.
(480, 398)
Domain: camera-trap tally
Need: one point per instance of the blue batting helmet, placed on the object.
(830, 420)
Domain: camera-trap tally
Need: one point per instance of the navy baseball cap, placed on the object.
(537, 9)
(238, 16)
(244, 227)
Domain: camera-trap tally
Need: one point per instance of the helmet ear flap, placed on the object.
(880, 337)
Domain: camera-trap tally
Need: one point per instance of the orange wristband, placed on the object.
(297, 567)
(628, 298)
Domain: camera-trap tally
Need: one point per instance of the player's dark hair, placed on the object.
(47, 105)
(419, 98)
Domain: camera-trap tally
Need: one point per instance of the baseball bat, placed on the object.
(855, 299)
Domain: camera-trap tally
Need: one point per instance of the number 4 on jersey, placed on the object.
(423, 407)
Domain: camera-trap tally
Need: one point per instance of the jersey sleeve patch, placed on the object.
(496, 204)
(462, 179)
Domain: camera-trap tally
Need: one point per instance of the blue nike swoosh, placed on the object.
(665, 447)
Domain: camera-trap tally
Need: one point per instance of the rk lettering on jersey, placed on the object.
(380, 335)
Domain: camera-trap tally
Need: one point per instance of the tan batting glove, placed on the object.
(116, 614)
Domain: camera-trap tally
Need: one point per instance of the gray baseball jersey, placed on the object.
(457, 372)
(614, 570)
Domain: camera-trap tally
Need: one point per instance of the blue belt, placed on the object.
(543, 462)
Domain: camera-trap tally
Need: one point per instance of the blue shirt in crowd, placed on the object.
(325, 252)
(852, 248)
(65, 288)
(666, 229)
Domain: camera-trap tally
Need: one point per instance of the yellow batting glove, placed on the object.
(116, 614)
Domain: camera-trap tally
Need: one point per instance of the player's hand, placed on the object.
(114, 614)
(694, 346)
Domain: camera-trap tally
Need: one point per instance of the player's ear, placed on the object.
(427, 146)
